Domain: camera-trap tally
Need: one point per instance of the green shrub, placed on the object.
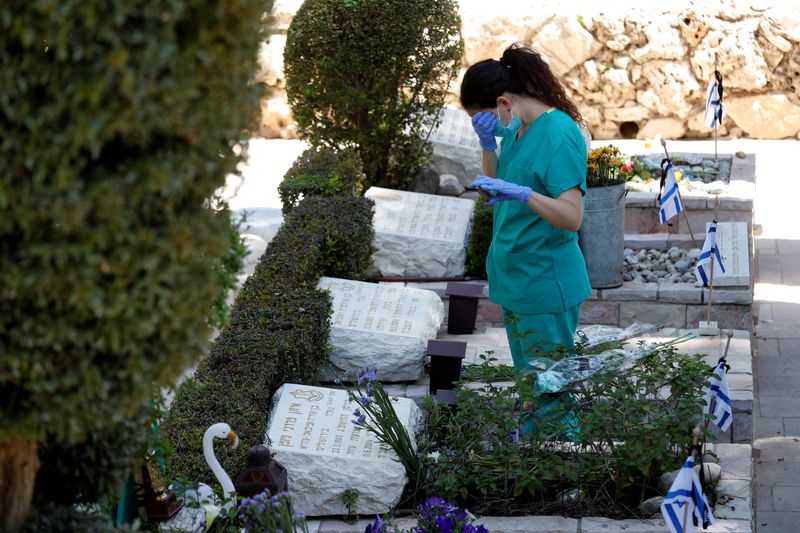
(49, 518)
(321, 171)
(480, 239)
(118, 123)
(277, 333)
(93, 468)
(372, 74)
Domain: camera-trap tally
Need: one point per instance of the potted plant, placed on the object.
(602, 233)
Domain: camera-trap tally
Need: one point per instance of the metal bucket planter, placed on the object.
(602, 235)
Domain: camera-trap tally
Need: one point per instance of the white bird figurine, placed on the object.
(220, 431)
(189, 518)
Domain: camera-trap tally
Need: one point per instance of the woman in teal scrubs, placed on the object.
(536, 269)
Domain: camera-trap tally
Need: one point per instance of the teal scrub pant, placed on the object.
(529, 335)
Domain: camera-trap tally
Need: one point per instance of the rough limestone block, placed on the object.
(419, 235)
(311, 434)
(385, 326)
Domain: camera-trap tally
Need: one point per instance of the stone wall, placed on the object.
(633, 71)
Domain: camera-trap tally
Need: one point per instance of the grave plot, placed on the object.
(383, 326)
(311, 433)
(419, 235)
(655, 297)
(735, 187)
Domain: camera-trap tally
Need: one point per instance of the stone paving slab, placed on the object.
(777, 522)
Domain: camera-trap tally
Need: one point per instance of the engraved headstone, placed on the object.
(734, 247)
(455, 129)
(419, 235)
(386, 326)
(310, 432)
(455, 146)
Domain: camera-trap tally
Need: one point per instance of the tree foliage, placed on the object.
(372, 74)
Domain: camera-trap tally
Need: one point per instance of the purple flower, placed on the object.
(375, 527)
(365, 400)
(443, 524)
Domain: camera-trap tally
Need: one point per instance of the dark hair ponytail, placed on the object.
(521, 70)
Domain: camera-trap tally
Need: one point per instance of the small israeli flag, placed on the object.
(718, 399)
(709, 253)
(714, 110)
(685, 506)
(669, 200)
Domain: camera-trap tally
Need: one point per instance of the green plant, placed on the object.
(377, 415)
(228, 267)
(350, 500)
(372, 74)
(265, 513)
(480, 239)
(632, 426)
(118, 124)
(277, 332)
(321, 171)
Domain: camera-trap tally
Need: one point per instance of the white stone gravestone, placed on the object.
(310, 432)
(734, 248)
(263, 222)
(382, 326)
(256, 246)
(455, 146)
(419, 235)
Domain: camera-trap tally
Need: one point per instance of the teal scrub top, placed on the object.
(534, 267)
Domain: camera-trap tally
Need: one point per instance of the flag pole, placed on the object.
(716, 127)
(713, 260)
(696, 434)
(685, 215)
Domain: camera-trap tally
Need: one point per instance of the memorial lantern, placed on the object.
(463, 307)
(261, 473)
(446, 358)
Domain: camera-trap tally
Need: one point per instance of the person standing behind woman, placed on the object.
(535, 268)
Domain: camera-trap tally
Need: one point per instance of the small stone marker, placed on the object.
(419, 235)
(383, 326)
(734, 247)
(455, 147)
(310, 433)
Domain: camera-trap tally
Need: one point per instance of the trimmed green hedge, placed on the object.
(480, 239)
(321, 171)
(278, 332)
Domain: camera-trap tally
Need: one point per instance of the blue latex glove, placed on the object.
(485, 123)
(500, 190)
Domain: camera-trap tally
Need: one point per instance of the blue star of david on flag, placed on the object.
(685, 504)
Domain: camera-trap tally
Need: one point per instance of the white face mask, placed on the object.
(513, 124)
